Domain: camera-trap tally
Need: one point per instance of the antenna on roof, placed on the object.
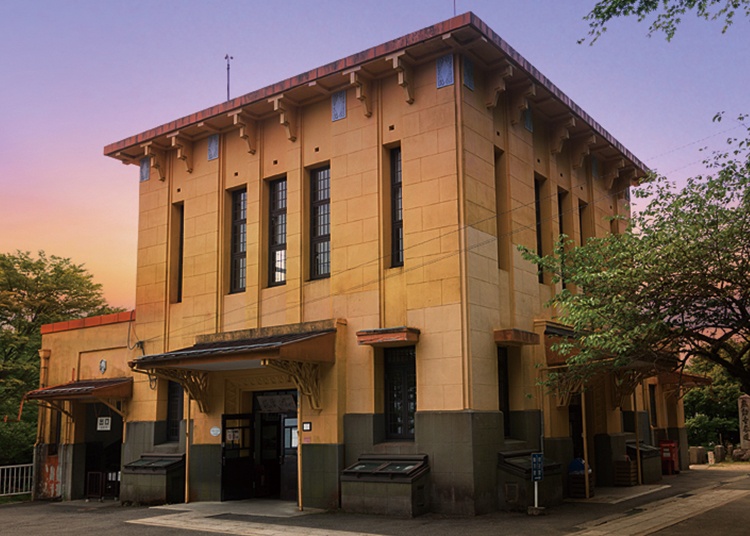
(228, 58)
(454, 8)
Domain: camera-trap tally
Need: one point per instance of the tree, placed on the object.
(667, 13)
(711, 415)
(34, 291)
(674, 287)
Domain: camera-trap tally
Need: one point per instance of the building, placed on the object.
(327, 270)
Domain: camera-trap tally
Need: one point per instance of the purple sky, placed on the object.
(77, 75)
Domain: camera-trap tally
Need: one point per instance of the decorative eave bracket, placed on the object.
(520, 101)
(195, 382)
(287, 115)
(565, 387)
(581, 149)
(497, 83)
(362, 87)
(625, 383)
(55, 406)
(248, 128)
(113, 406)
(157, 156)
(184, 146)
(305, 375)
(405, 74)
(560, 133)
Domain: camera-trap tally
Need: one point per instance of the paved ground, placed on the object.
(715, 499)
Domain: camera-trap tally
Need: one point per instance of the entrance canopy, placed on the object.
(296, 353)
(107, 391)
(86, 390)
(316, 346)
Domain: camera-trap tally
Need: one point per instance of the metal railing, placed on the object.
(16, 479)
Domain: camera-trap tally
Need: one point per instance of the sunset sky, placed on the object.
(77, 75)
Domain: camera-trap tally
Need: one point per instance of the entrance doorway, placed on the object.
(275, 416)
(259, 449)
(103, 437)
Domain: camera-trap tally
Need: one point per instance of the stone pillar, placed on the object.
(744, 409)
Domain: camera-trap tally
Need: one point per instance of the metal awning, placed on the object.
(314, 346)
(86, 390)
(296, 353)
(107, 391)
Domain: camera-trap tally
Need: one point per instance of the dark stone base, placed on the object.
(321, 466)
(397, 499)
(205, 472)
(462, 447)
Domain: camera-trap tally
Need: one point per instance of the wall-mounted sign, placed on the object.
(103, 366)
(307, 427)
(215, 431)
(103, 424)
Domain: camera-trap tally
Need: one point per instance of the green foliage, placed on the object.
(711, 413)
(34, 291)
(674, 286)
(17, 441)
(667, 14)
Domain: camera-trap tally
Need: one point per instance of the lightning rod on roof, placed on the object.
(228, 58)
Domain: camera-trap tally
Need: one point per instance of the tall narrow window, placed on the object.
(397, 211)
(320, 223)
(178, 252)
(400, 392)
(277, 233)
(582, 221)
(502, 212)
(562, 200)
(539, 221)
(561, 196)
(238, 261)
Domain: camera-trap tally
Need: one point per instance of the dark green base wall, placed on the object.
(321, 466)
(462, 447)
(205, 473)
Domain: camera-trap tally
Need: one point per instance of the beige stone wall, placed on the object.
(468, 198)
(75, 355)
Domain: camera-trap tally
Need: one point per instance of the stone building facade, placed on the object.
(327, 268)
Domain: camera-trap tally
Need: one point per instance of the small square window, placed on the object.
(338, 106)
(528, 120)
(445, 71)
(213, 147)
(145, 169)
(469, 73)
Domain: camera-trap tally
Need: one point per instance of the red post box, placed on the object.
(670, 457)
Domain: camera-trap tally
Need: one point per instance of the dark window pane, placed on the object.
(277, 233)
(397, 223)
(238, 242)
(320, 223)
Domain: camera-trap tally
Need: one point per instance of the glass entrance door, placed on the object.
(236, 456)
(275, 414)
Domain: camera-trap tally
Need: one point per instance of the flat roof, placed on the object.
(467, 34)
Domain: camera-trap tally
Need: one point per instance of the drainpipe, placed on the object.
(187, 452)
(299, 450)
